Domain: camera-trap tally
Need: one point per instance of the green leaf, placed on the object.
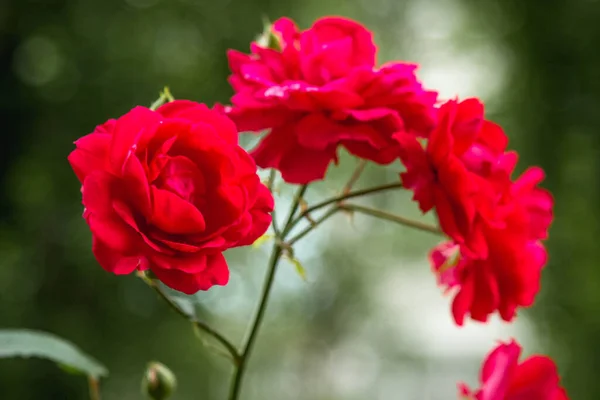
(28, 343)
(298, 266)
(165, 96)
(261, 240)
(68, 369)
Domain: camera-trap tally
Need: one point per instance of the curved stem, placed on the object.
(355, 176)
(364, 210)
(391, 217)
(342, 197)
(231, 349)
(280, 245)
(313, 225)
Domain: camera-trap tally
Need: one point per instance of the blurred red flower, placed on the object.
(503, 377)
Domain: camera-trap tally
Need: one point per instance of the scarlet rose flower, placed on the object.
(170, 190)
(317, 90)
(495, 257)
(503, 377)
(509, 276)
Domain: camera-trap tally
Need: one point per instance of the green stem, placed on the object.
(391, 217)
(164, 97)
(167, 94)
(203, 326)
(345, 196)
(280, 245)
(355, 176)
(236, 383)
(270, 183)
(271, 180)
(290, 220)
(313, 225)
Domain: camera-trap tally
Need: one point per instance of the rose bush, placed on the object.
(170, 190)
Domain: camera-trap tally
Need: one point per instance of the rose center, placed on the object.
(182, 177)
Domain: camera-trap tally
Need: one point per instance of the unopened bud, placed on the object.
(159, 382)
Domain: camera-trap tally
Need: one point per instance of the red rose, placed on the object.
(509, 277)
(504, 378)
(319, 90)
(170, 190)
(495, 258)
(441, 180)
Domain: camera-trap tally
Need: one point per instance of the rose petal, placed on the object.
(130, 134)
(498, 370)
(91, 155)
(113, 261)
(174, 215)
(213, 272)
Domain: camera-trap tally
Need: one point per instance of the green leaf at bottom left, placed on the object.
(29, 343)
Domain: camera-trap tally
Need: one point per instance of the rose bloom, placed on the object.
(318, 89)
(170, 190)
(495, 257)
(503, 377)
(509, 277)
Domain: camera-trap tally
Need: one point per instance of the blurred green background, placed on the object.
(370, 322)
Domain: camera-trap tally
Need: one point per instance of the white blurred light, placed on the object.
(422, 316)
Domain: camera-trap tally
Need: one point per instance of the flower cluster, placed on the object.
(319, 89)
(169, 190)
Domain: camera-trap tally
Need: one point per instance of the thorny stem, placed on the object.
(364, 210)
(241, 357)
(296, 202)
(203, 326)
(391, 217)
(355, 175)
(236, 383)
(281, 245)
(313, 225)
(342, 197)
(271, 180)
